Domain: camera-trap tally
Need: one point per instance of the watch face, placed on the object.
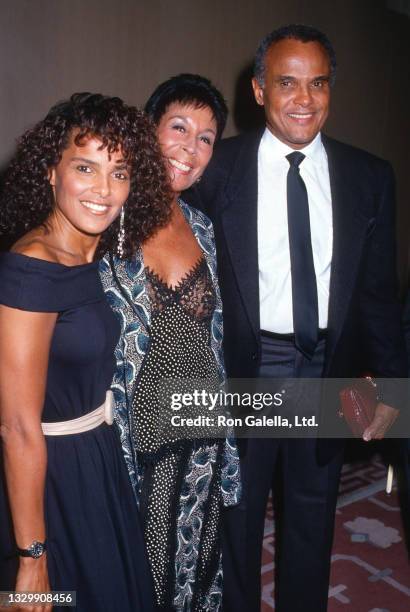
(36, 549)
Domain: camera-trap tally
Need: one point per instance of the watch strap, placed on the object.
(35, 550)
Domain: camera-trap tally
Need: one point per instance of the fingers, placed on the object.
(375, 431)
(34, 608)
(32, 586)
(383, 420)
(377, 428)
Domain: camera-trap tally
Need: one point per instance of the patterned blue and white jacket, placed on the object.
(124, 284)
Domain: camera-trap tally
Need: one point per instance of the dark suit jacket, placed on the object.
(364, 332)
(406, 321)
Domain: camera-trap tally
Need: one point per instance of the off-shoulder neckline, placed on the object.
(49, 263)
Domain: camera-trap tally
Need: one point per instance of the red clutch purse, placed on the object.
(358, 405)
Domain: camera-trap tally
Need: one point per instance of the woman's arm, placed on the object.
(25, 339)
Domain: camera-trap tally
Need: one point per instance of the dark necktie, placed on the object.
(304, 289)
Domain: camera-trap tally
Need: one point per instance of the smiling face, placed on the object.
(296, 92)
(89, 186)
(186, 136)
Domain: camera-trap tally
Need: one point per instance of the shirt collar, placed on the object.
(276, 149)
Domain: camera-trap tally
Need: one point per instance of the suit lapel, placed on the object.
(239, 224)
(350, 225)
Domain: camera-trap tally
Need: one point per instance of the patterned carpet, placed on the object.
(370, 566)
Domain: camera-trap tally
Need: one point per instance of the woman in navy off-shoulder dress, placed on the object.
(71, 193)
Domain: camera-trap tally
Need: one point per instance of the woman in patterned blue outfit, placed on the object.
(168, 303)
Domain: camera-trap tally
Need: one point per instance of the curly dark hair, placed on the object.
(27, 198)
(295, 31)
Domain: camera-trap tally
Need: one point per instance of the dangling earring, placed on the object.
(121, 235)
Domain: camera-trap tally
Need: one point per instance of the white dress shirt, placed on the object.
(275, 281)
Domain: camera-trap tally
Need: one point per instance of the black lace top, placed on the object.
(194, 293)
(179, 349)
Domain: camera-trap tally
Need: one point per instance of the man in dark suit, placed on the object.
(304, 229)
(406, 443)
(406, 323)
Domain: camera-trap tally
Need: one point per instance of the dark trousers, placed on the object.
(306, 502)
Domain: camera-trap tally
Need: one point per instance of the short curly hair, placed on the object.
(27, 198)
(188, 89)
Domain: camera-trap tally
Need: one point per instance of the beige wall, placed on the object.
(51, 48)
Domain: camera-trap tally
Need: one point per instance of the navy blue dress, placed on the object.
(95, 543)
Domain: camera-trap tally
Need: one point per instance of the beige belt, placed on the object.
(91, 420)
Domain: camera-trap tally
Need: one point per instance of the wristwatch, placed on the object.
(35, 550)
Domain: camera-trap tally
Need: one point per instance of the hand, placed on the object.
(383, 419)
(33, 576)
